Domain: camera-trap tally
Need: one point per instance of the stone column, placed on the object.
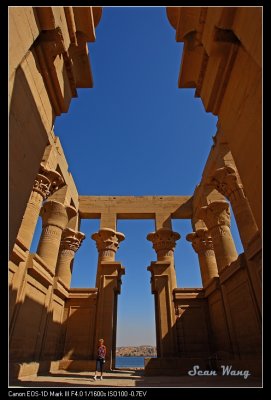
(107, 243)
(203, 245)
(70, 242)
(217, 219)
(226, 182)
(46, 183)
(108, 282)
(163, 281)
(55, 217)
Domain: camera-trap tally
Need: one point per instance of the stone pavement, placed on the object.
(131, 378)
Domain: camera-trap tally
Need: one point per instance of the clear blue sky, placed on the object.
(136, 133)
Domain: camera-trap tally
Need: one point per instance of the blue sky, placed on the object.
(136, 133)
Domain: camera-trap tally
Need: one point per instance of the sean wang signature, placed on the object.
(225, 369)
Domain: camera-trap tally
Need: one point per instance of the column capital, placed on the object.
(164, 242)
(47, 182)
(225, 181)
(107, 243)
(215, 214)
(71, 239)
(56, 214)
(201, 240)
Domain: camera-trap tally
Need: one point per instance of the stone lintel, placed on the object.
(188, 293)
(136, 207)
(84, 293)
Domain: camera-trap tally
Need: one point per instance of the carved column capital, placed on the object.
(164, 242)
(55, 217)
(203, 245)
(225, 181)
(71, 240)
(201, 241)
(56, 214)
(47, 182)
(107, 243)
(217, 219)
(215, 214)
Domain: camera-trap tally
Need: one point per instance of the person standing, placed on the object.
(100, 360)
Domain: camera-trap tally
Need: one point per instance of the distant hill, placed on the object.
(136, 351)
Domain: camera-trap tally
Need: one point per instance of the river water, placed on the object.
(130, 362)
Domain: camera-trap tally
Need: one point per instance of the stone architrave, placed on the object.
(163, 281)
(217, 219)
(46, 183)
(226, 182)
(55, 217)
(71, 240)
(203, 245)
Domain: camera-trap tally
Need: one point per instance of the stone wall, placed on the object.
(48, 61)
(53, 326)
(192, 322)
(79, 325)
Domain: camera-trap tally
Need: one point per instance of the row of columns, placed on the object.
(214, 245)
(58, 243)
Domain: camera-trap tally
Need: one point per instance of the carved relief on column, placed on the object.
(216, 214)
(164, 242)
(107, 243)
(226, 182)
(54, 213)
(203, 245)
(217, 219)
(46, 183)
(70, 242)
(201, 241)
(55, 217)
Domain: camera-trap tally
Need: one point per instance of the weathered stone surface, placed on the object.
(54, 326)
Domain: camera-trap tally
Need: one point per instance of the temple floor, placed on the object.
(131, 378)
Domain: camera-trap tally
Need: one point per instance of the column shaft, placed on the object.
(49, 245)
(225, 250)
(70, 242)
(163, 279)
(226, 181)
(208, 266)
(30, 218)
(203, 246)
(217, 219)
(244, 220)
(46, 183)
(55, 217)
